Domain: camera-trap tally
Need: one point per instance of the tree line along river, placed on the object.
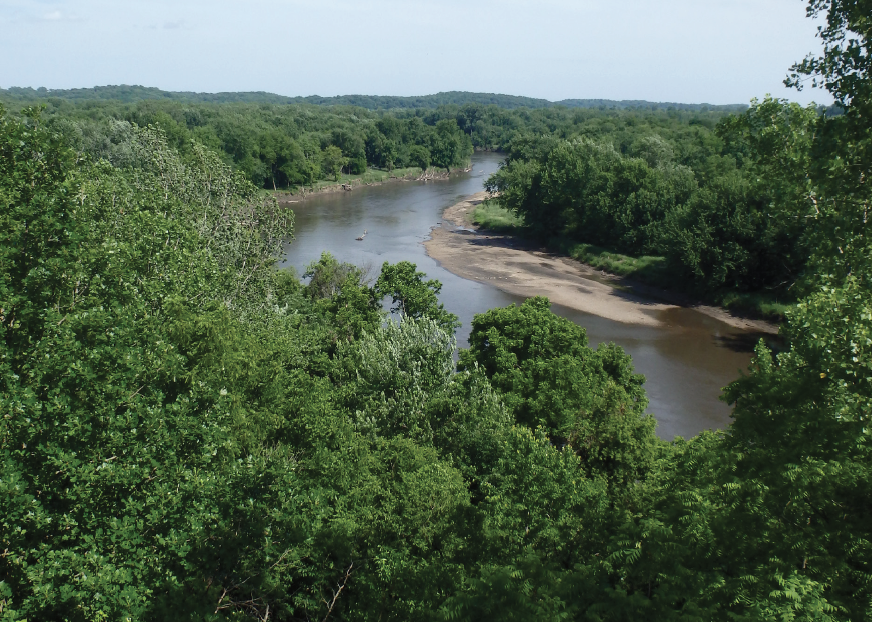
(686, 361)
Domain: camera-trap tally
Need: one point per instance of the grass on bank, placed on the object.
(647, 269)
(656, 271)
(492, 216)
(768, 307)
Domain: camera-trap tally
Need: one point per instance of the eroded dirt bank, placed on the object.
(520, 268)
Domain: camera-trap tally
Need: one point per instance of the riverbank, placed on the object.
(648, 270)
(372, 177)
(519, 267)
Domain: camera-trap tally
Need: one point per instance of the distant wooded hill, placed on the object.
(128, 94)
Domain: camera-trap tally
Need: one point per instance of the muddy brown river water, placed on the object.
(686, 361)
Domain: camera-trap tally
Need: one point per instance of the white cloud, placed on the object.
(58, 16)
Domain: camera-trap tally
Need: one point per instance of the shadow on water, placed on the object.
(686, 362)
(742, 342)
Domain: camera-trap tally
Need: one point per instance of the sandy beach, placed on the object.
(520, 268)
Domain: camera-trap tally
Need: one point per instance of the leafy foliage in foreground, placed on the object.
(588, 400)
(187, 434)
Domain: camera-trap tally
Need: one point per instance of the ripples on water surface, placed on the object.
(686, 363)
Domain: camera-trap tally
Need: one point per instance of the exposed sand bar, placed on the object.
(520, 268)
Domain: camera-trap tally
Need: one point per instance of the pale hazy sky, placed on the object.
(692, 51)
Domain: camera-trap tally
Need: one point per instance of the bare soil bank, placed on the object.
(520, 268)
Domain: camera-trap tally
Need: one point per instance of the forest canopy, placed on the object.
(288, 145)
(719, 204)
(133, 93)
(188, 433)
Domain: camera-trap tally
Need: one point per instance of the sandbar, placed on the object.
(520, 267)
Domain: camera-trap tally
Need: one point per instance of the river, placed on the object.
(686, 363)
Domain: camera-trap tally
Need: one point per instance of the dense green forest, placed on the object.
(130, 94)
(273, 146)
(291, 145)
(703, 199)
(190, 434)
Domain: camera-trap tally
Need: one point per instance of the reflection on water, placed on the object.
(686, 363)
